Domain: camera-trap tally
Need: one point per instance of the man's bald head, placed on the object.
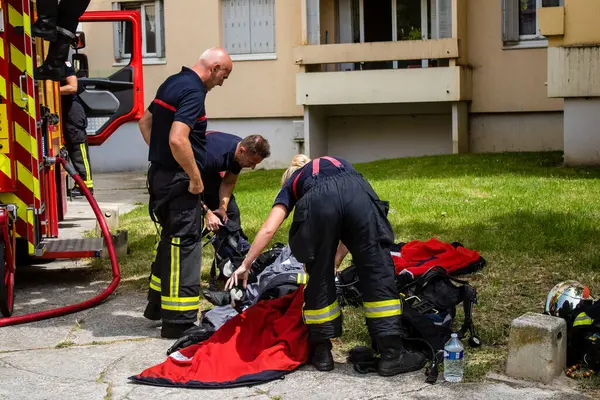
(214, 66)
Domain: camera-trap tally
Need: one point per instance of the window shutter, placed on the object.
(313, 21)
(510, 20)
(160, 29)
(262, 26)
(117, 26)
(445, 12)
(236, 26)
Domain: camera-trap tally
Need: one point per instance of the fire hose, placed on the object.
(70, 309)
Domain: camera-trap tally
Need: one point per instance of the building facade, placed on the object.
(360, 79)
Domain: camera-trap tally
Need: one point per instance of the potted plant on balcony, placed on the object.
(412, 34)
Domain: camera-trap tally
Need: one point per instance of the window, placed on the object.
(521, 25)
(153, 34)
(249, 28)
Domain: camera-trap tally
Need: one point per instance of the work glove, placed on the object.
(363, 359)
(195, 335)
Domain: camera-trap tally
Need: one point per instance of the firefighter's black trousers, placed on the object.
(175, 278)
(68, 11)
(345, 207)
(75, 123)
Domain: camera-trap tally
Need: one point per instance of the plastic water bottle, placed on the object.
(454, 352)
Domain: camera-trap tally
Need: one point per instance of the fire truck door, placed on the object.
(110, 101)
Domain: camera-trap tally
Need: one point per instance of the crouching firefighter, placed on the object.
(226, 156)
(334, 203)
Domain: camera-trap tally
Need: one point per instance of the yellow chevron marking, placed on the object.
(29, 107)
(5, 165)
(15, 18)
(27, 179)
(3, 87)
(2, 49)
(29, 62)
(27, 24)
(11, 198)
(22, 61)
(17, 58)
(3, 121)
(27, 141)
(30, 221)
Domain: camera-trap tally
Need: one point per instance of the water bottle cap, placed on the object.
(454, 335)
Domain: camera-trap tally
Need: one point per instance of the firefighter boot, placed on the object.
(45, 26)
(175, 331)
(395, 359)
(54, 66)
(321, 357)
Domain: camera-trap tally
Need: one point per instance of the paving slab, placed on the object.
(121, 318)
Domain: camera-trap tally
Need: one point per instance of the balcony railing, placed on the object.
(377, 51)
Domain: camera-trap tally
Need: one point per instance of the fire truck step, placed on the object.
(72, 248)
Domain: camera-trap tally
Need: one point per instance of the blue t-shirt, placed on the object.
(220, 152)
(293, 189)
(180, 98)
(67, 99)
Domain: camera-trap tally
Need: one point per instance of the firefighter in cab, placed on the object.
(335, 203)
(74, 125)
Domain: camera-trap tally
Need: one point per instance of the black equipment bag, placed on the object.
(429, 312)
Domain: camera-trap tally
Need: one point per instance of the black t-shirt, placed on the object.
(293, 189)
(67, 99)
(220, 150)
(180, 98)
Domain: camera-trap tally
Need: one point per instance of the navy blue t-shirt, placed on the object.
(293, 189)
(180, 98)
(67, 99)
(220, 150)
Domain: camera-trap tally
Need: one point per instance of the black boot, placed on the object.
(175, 331)
(54, 66)
(395, 359)
(45, 26)
(321, 357)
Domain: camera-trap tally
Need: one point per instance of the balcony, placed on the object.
(384, 52)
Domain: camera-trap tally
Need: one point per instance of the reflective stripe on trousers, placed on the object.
(155, 283)
(322, 315)
(382, 309)
(302, 279)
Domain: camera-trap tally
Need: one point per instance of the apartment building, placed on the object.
(360, 79)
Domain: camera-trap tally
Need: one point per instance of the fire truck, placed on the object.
(34, 165)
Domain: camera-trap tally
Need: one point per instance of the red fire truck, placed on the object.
(33, 161)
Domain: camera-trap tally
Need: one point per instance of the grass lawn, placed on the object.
(535, 222)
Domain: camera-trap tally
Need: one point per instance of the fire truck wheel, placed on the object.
(7, 286)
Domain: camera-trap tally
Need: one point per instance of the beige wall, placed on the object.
(263, 88)
(364, 139)
(580, 23)
(516, 132)
(504, 80)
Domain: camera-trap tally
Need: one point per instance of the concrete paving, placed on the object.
(90, 354)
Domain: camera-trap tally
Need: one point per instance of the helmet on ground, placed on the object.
(565, 297)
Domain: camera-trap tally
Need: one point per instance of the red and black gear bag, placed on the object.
(417, 257)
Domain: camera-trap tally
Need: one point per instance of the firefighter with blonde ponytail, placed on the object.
(334, 203)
